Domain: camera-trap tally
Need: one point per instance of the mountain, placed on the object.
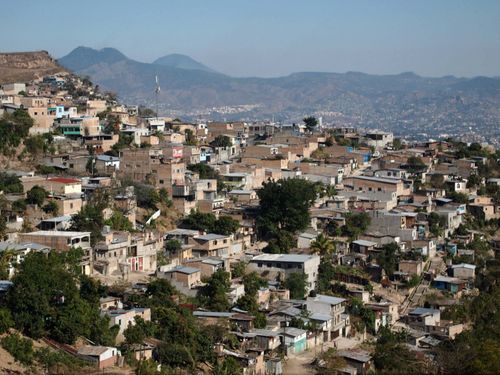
(405, 103)
(176, 60)
(27, 66)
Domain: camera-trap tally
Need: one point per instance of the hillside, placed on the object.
(405, 103)
(26, 66)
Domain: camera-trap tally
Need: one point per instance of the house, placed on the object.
(181, 276)
(124, 318)
(463, 271)
(58, 240)
(411, 267)
(451, 284)
(104, 356)
(295, 339)
(211, 245)
(110, 303)
(288, 263)
(359, 359)
(422, 317)
(334, 307)
(363, 246)
(122, 252)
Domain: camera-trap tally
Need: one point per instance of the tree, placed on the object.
(229, 366)
(173, 246)
(391, 354)
(214, 294)
(323, 246)
(190, 138)
(118, 221)
(14, 128)
(355, 224)
(284, 205)
(207, 222)
(175, 356)
(10, 183)
(396, 144)
(51, 208)
(326, 273)
(225, 225)
(310, 122)
(415, 164)
(6, 320)
(388, 258)
(437, 223)
(89, 219)
(36, 195)
(137, 332)
(45, 300)
(221, 141)
(296, 282)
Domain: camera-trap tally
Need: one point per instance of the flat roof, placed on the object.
(297, 258)
(377, 179)
(364, 243)
(326, 299)
(211, 236)
(58, 233)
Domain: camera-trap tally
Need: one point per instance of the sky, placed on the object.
(271, 37)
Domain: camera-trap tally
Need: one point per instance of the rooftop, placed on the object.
(296, 258)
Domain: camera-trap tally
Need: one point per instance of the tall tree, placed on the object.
(323, 246)
(310, 122)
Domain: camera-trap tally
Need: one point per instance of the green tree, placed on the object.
(118, 221)
(326, 272)
(6, 320)
(437, 224)
(229, 366)
(310, 122)
(355, 224)
(89, 219)
(396, 144)
(225, 225)
(190, 138)
(296, 282)
(415, 164)
(51, 208)
(36, 195)
(221, 141)
(213, 295)
(10, 183)
(284, 205)
(323, 246)
(197, 220)
(388, 258)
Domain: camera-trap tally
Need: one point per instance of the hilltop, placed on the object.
(27, 66)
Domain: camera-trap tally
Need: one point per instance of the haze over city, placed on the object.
(272, 38)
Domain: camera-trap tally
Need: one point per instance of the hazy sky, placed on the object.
(271, 37)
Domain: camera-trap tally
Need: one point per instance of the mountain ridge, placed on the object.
(398, 102)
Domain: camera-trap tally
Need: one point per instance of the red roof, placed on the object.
(63, 180)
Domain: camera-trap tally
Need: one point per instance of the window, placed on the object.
(162, 182)
(259, 265)
(71, 205)
(215, 242)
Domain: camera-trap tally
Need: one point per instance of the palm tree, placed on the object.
(322, 245)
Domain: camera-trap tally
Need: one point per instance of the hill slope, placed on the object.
(27, 66)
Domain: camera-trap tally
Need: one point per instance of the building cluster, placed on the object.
(415, 200)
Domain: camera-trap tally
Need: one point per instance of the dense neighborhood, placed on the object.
(132, 243)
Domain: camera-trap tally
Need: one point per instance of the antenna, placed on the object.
(157, 91)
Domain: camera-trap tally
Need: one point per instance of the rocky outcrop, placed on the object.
(27, 66)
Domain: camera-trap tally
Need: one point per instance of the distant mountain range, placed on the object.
(399, 102)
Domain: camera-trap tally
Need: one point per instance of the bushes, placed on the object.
(20, 348)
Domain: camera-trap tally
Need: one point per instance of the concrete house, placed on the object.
(124, 318)
(288, 263)
(334, 307)
(104, 356)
